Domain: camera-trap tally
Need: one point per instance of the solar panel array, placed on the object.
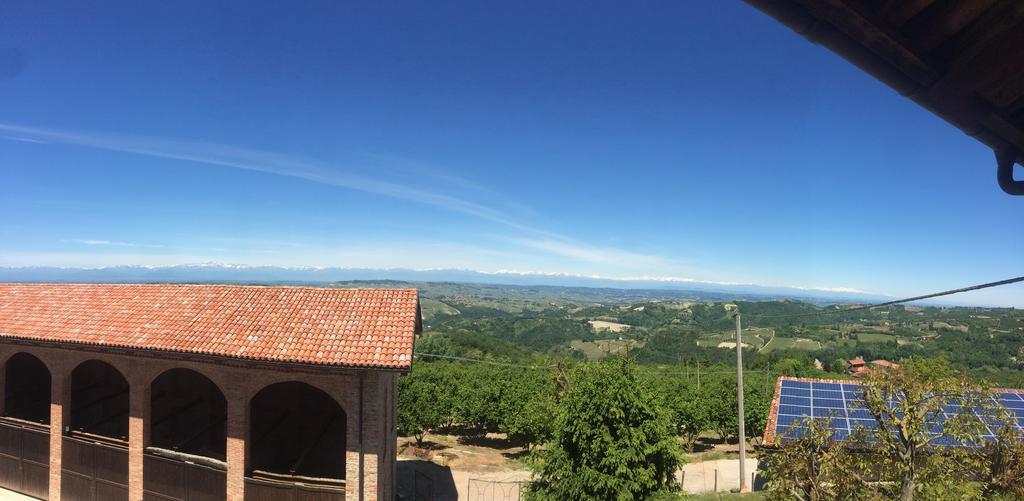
(842, 407)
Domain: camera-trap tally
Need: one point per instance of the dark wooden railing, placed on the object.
(25, 457)
(263, 486)
(94, 469)
(168, 478)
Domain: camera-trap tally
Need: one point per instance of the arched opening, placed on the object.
(24, 430)
(297, 430)
(99, 400)
(27, 389)
(188, 435)
(95, 447)
(188, 414)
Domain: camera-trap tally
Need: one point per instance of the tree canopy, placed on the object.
(612, 439)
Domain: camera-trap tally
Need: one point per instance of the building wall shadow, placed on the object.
(421, 480)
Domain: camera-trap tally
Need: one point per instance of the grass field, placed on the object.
(596, 350)
(603, 325)
(792, 343)
(430, 308)
(752, 339)
(875, 337)
(724, 495)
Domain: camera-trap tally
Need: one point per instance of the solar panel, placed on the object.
(842, 407)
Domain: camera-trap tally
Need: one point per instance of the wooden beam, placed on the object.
(994, 22)
(273, 427)
(312, 445)
(93, 426)
(1009, 87)
(79, 391)
(987, 67)
(1006, 130)
(1015, 108)
(207, 429)
(943, 20)
(873, 35)
(898, 12)
(105, 398)
(177, 410)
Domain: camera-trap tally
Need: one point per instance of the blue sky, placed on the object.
(697, 140)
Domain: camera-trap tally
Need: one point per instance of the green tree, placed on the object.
(789, 366)
(814, 467)
(420, 406)
(534, 423)
(723, 407)
(838, 366)
(478, 395)
(907, 404)
(756, 404)
(1004, 461)
(436, 344)
(691, 412)
(613, 439)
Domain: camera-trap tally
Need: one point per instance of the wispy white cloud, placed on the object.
(22, 139)
(267, 162)
(412, 167)
(590, 253)
(833, 289)
(294, 166)
(112, 243)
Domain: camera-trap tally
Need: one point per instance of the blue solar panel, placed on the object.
(842, 407)
(827, 412)
(792, 400)
(829, 402)
(860, 414)
(863, 423)
(826, 386)
(1013, 404)
(795, 410)
(796, 384)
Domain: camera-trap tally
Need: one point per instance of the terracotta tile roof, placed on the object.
(305, 325)
(885, 363)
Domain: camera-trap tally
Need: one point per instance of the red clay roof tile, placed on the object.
(303, 325)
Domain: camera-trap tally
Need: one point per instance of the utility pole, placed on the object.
(739, 400)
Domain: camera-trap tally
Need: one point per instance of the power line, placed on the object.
(521, 366)
(890, 303)
(702, 373)
(482, 361)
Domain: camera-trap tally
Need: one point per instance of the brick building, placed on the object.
(190, 392)
(859, 368)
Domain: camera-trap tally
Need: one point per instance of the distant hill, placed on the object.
(216, 272)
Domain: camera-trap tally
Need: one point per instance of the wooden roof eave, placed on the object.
(887, 55)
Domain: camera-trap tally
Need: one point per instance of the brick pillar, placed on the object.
(373, 438)
(60, 413)
(352, 451)
(238, 431)
(3, 386)
(355, 440)
(138, 408)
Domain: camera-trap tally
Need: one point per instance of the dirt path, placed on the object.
(769, 341)
(717, 476)
(451, 467)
